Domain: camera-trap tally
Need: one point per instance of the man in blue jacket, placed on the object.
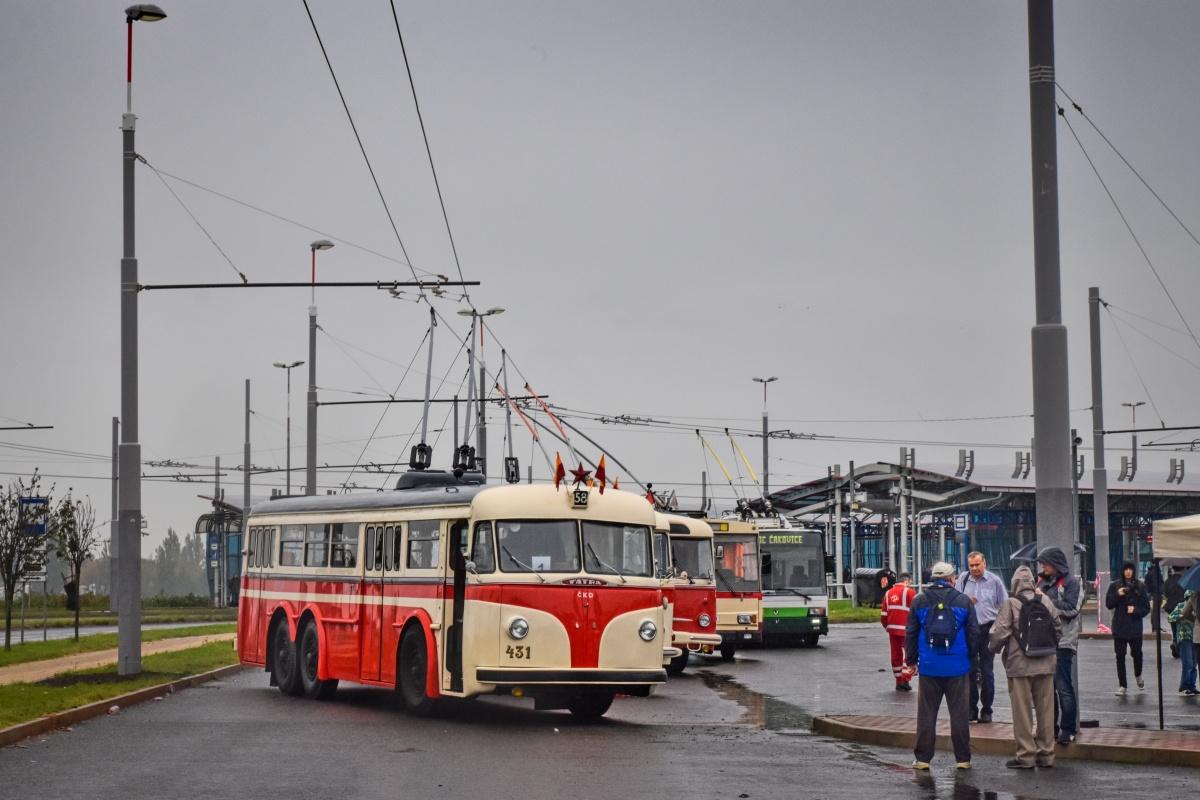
(941, 639)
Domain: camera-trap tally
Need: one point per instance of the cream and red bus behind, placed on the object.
(445, 589)
(739, 584)
(692, 588)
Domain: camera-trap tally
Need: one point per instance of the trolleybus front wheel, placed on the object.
(284, 666)
(678, 664)
(727, 651)
(310, 655)
(590, 706)
(411, 667)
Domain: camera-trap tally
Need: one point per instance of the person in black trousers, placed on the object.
(1130, 603)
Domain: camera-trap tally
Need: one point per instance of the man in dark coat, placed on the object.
(1173, 596)
(1129, 602)
(1066, 593)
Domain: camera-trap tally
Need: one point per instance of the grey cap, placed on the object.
(941, 570)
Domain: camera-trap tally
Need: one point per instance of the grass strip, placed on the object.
(841, 611)
(21, 702)
(40, 651)
(33, 621)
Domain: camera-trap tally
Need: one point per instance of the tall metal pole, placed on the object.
(481, 426)
(129, 606)
(1051, 410)
(246, 463)
(310, 473)
(904, 567)
(853, 546)
(288, 470)
(766, 461)
(837, 531)
(219, 519)
(113, 537)
(1101, 559)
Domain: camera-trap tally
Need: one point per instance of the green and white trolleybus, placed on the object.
(795, 598)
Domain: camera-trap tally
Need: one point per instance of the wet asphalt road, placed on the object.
(716, 732)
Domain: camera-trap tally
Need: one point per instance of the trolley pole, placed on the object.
(1051, 411)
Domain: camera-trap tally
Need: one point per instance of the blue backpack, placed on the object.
(941, 627)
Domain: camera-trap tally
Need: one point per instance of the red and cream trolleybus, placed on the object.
(444, 589)
(739, 584)
(693, 596)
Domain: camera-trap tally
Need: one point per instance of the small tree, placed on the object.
(75, 539)
(20, 552)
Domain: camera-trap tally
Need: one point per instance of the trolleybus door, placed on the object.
(372, 599)
(456, 591)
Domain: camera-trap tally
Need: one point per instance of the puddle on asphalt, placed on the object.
(772, 714)
(759, 710)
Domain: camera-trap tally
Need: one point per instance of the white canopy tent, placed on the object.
(1177, 538)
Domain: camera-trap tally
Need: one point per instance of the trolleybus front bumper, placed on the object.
(589, 677)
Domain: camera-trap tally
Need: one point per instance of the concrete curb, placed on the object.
(62, 719)
(844, 727)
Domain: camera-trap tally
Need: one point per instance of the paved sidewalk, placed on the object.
(1123, 745)
(38, 670)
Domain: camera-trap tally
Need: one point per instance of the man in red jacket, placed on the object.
(893, 616)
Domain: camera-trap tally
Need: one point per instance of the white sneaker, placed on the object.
(1140, 682)
(1121, 691)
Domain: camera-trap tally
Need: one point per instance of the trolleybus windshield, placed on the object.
(538, 545)
(693, 556)
(793, 563)
(737, 563)
(613, 549)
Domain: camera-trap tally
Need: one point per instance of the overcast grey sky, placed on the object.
(667, 198)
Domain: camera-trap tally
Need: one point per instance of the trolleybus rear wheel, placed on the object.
(591, 705)
(284, 666)
(678, 664)
(310, 656)
(727, 651)
(411, 667)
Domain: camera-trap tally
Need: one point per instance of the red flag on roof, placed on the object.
(601, 478)
(616, 483)
(560, 472)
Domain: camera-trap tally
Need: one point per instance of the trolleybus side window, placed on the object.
(369, 550)
(389, 548)
(614, 549)
(423, 543)
(316, 546)
(250, 547)
(344, 545)
(270, 548)
(538, 545)
(396, 543)
(291, 546)
(484, 554)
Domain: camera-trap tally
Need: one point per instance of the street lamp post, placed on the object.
(129, 453)
(766, 435)
(480, 420)
(288, 368)
(310, 473)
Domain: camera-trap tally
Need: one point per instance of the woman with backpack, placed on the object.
(1026, 631)
(1129, 602)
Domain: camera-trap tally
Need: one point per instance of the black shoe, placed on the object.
(1016, 763)
(1066, 738)
(903, 687)
(985, 717)
(1045, 764)
(973, 718)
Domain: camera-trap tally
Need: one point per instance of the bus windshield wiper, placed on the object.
(721, 577)
(592, 550)
(520, 563)
(795, 591)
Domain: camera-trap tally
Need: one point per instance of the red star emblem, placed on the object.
(581, 475)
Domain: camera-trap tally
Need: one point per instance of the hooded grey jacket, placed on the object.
(1065, 592)
(1008, 621)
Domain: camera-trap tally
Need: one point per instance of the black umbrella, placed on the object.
(1028, 553)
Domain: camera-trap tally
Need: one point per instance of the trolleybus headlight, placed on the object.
(648, 631)
(745, 619)
(704, 620)
(518, 628)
